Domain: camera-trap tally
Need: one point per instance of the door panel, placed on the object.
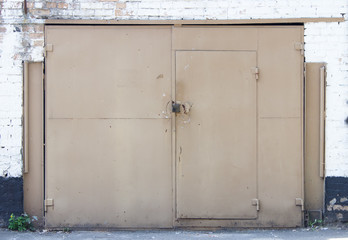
(280, 144)
(105, 174)
(216, 140)
(33, 147)
(110, 72)
(280, 180)
(315, 139)
(108, 132)
(281, 68)
(214, 38)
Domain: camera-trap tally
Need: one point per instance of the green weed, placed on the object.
(315, 224)
(21, 223)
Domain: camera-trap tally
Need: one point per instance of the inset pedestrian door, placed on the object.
(216, 139)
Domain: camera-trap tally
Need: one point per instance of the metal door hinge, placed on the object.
(255, 71)
(299, 202)
(256, 202)
(48, 48)
(48, 203)
(300, 47)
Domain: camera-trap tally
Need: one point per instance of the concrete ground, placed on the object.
(331, 233)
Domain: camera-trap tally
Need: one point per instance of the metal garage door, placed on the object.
(116, 155)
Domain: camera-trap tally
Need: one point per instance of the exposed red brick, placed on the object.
(30, 5)
(39, 28)
(51, 5)
(38, 43)
(36, 35)
(27, 28)
(118, 12)
(16, 56)
(120, 5)
(63, 5)
(40, 12)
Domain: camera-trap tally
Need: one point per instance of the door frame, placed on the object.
(179, 23)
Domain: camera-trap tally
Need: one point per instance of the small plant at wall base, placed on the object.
(21, 223)
(315, 224)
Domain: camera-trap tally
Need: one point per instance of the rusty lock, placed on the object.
(178, 107)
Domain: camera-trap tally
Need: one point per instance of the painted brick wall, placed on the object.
(21, 38)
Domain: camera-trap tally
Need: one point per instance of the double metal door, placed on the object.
(116, 154)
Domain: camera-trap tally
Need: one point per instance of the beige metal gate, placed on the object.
(116, 156)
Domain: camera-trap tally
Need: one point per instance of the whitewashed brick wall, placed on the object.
(328, 42)
(21, 38)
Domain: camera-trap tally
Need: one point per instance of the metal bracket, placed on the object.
(299, 202)
(256, 202)
(300, 47)
(48, 48)
(255, 71)
(322, 122)
(26, 117)
(48, 203)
